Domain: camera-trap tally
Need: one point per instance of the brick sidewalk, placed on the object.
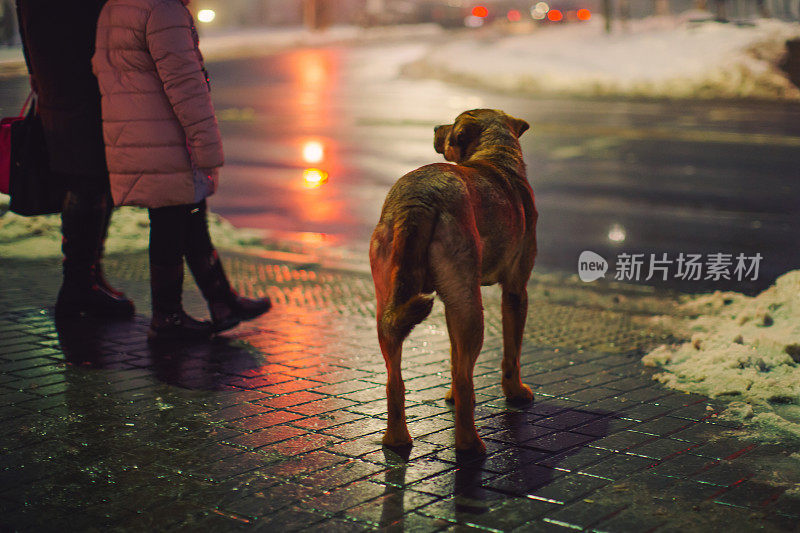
(278, 424)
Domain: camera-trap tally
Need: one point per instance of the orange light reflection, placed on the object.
(314, 177)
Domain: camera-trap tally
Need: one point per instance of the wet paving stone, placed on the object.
(617, 466)
(583, 514)
(278, 424)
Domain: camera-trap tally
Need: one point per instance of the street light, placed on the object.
(313, 152)
(206, 15)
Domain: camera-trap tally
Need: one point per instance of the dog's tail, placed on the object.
(408, 304)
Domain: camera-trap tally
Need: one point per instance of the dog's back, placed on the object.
(495, 209)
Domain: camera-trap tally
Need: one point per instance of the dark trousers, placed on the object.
(179, 231)
(84, 223)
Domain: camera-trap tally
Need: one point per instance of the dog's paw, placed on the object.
(448, 396)
(518, 393)
(471, 444)
(397, 438)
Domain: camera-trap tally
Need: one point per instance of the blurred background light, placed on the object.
(480, 11)
(473, 22)
(616, 233)
(206, 15)
(313, 152)
(314, 177)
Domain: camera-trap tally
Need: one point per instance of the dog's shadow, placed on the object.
(114, 345)
(523, 458)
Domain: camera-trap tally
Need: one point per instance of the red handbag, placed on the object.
(5, 146)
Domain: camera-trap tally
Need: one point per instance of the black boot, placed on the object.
(170, 322)
(107, 207)
(227, 308)
(81, 295)
(83, 225)
(100, 278)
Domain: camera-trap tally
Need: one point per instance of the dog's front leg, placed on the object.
(515, 312)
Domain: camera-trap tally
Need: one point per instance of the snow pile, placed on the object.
(658, 57)
(32, 237)
(743, 348)
(242, 42)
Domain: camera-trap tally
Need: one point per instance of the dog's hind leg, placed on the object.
(390, 340)
(457, 282)
(396, 429)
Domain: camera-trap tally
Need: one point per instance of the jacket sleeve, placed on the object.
(172, 47)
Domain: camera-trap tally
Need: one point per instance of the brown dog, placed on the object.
(450, 229)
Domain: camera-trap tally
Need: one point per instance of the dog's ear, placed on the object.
(519, 126)
(464, 133)
(439, 136)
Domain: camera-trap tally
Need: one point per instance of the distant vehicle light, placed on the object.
(539, 11)
(313, 152)
(314, 177)
(480, 11)
(554, 15)
(584, 14)
(514, 16)
(616, 233)
(206, 15)
(473, 22)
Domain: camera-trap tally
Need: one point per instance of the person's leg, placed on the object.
(227, 308)
(99, 271)
(84, 223)
(167, 245)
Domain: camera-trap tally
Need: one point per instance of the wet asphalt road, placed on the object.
(610, 176)
(691, 177)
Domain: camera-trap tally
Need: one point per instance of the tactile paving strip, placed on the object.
(607, 319)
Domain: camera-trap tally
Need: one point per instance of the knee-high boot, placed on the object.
(227, 308)
(98, 271)
(170, 321)
(83, 222)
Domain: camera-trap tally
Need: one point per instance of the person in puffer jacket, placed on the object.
(164, 150)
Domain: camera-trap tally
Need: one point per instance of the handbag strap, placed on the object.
(25, 105)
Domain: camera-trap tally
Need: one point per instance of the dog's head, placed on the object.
(472, 129)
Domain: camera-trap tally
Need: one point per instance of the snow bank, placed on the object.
(33, 237)
(241, 42)
(658, 57)
(743, 348)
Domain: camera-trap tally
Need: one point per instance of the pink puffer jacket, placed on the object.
(158, 121)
